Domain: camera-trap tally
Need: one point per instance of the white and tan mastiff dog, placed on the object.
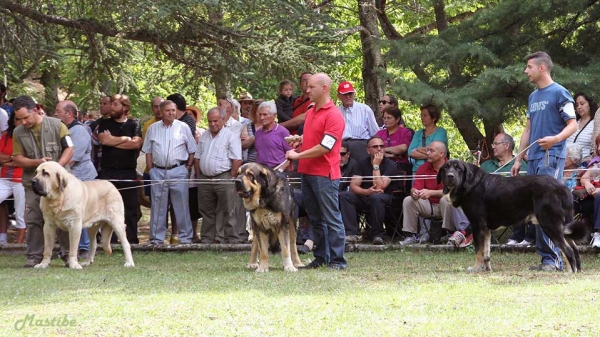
(72, 205)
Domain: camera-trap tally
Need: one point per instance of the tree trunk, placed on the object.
(371, 52)
(50, 81)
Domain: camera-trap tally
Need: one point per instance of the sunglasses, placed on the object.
(383, 101)
(343, 153)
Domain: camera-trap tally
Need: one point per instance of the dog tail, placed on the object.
(576, 230)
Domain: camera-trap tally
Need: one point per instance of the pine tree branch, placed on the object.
(181, 36)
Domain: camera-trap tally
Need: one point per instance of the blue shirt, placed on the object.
(547, 118)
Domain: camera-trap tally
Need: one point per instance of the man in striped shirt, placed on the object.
(218, 157)
(169, 147)
(360, 121)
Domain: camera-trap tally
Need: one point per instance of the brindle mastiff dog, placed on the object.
(268, 198)
(491, 201)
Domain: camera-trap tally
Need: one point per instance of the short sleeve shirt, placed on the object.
(324, 124)
(547, 118)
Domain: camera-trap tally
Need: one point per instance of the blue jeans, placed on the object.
(545, 247)
(320, 196)
(304, 233)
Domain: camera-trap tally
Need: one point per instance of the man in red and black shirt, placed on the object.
(425, 197)
(319, 164)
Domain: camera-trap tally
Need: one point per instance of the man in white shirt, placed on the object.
(169, 147)
(360, 121)
(218, 158)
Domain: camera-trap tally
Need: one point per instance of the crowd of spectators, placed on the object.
(378, 165)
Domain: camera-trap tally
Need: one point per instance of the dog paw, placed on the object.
(290, 269)
(476, 269)
(262, 270)
(129, 264)
(86, 263)
(75, 266)
(42, 265)
(252, 265)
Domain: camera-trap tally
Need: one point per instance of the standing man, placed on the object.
(169, 147)
(246, 103)
(360, 120)
(319, 164)
(218, 156)
(121, 139)
(155, 105)
(37, 140)
(550, 121)
(81, 162)
(104, 115)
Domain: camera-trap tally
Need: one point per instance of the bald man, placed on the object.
(319, 164)
(425, 197)
(81, 162)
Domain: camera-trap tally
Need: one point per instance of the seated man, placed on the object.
(370, 190)
(425, 197)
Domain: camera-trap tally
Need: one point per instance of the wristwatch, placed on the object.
(375, 167)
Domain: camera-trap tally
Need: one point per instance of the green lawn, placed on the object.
(397, 293)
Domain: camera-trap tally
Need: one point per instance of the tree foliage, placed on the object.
(465, 56)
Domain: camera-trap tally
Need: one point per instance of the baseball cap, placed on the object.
(345, 87)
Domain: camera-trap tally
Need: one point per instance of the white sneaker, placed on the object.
(410, 240)
(596, 240)
(512, 242)
(525, 243)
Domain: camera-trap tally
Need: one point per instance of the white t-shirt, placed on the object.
(3, 120)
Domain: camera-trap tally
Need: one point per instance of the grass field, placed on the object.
(399, 293)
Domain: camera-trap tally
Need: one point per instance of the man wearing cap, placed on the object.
(246, 102)
(360, 120)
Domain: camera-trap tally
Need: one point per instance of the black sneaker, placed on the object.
(335, 266)
(313, 265)
(377, 241)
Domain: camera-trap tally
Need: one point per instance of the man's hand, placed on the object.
(378, 158)
(424, 194)
(514, 170)
(292, 155)
(373, 190)
(548, 142)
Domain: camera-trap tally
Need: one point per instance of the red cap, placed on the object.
(345, 87)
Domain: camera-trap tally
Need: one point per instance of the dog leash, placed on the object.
(508, 162)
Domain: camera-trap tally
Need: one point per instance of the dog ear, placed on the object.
(441, 173)
(61, 183)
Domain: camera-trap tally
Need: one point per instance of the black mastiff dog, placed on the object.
(491, 201)
(268, 197)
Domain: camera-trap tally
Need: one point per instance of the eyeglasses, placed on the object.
(383, 101)
(343, 153)
(377, 146)
(497, 143)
